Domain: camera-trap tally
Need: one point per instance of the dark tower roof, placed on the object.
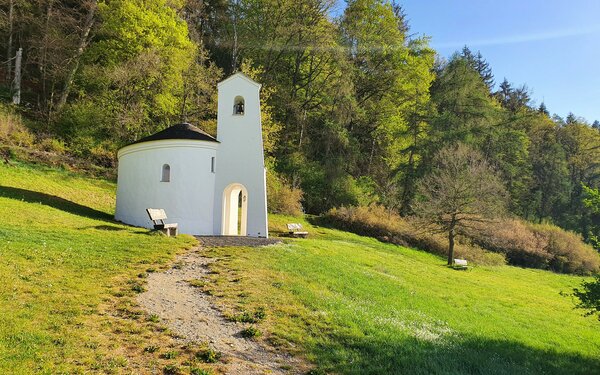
(179, 131)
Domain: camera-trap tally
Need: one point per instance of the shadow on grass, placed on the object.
(110, 228)
(368, 355)
(53, 201)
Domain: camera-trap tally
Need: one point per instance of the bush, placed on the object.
(542, 246)
(10, 124)
(569, 253)
(53, 145)
(387, 226)
(208, 355)
(589, 296)
(12, 130)
(250, 332)
(104, 155)
(282, 198)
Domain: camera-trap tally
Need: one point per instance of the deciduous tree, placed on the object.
(461, 189)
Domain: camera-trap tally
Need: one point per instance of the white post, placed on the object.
(17, 81)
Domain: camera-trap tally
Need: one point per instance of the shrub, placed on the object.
(282, 198)
(250, 332)
(53, 145)
(103, 155)
(387, 226)
(589, 297)
(199, 371)
(171, 370)
(11, 127)
(151, 349)
(81, 146)
(208, 355)
(542, 246)
(514, 238)
(569, 253)
(169, 355)
(22, 138)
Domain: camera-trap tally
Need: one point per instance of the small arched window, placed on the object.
(166, 173)
(238, 105)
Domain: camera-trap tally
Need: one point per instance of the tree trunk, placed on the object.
(83, 42)
(16, 86)
(451, 235)
(234, 49)
(44, 104)
(9, 46)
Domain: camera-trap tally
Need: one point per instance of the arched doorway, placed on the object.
(235, 210)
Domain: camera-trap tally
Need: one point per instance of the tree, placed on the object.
(135, 68)
(480, 65)
(591, 201)
(571, 118)
(513, 99)
(542, 109)
(549, 188)
(465, 110)
(461, 189)
(392, 76)
(589, 296)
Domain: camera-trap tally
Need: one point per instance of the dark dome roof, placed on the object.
(179, 131)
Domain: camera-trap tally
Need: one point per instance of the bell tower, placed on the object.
(240, 184)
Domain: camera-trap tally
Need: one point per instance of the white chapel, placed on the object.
(207, 185)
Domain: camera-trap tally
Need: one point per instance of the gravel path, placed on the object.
(222, 241)
(193, 315)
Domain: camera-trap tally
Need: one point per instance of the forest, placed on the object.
(355, 107)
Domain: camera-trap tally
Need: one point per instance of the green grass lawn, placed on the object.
(347, 303)
(61, 259)
(354, 305)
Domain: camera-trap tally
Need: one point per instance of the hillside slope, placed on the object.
(356, 305)
(348, 303)
(67, 274)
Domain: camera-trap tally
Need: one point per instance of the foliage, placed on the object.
(589, 296)
(281, 197)
(591, 201)
(542, 246)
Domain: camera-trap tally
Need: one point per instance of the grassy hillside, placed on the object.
(350, 304)
(67, 270)
(355, 305)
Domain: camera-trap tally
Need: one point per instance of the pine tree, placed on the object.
(596, 124)
(543, 109)
(480, 65)
(484, 70)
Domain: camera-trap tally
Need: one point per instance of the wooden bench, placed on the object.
(295, 230)
(460, 264)
(158, 217)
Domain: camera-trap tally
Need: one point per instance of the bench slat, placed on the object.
(156, 214)
(460, 262)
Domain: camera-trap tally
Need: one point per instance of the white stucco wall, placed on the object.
(241, 156)
(188, 198)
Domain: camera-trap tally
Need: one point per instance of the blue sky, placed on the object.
(552, 46)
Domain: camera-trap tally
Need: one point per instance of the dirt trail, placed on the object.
(193, 315)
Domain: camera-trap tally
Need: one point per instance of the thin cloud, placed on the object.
(523, 38)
